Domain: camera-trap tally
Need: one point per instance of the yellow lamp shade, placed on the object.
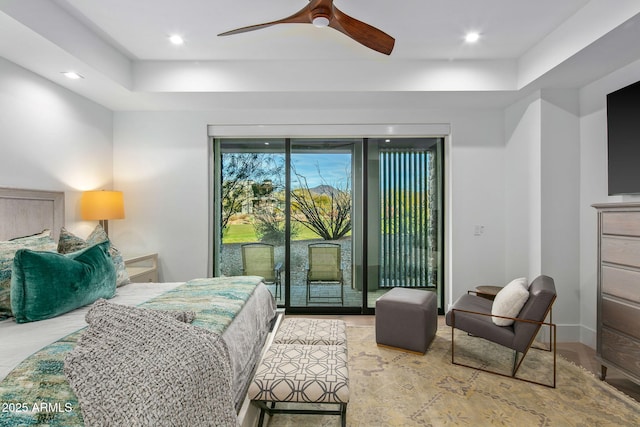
(102, 205)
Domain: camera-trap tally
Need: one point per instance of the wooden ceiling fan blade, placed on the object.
(361, 32)
(248, 28)
(301, 17)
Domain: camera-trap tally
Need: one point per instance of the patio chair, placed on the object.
(325, 267)
(472, 313)
(258, 260)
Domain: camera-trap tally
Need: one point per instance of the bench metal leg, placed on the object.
(261, 419)
(342, 411)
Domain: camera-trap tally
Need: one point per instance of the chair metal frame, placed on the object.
(340, 281)
(277, 267)
(517, 361)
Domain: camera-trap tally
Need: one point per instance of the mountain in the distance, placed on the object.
(324, 189)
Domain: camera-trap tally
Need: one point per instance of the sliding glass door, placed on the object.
(405, 224)
(249, 210)
(322, 224)
(331, 223)
(283, 209)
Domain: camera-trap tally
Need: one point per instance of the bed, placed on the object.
(241, 309)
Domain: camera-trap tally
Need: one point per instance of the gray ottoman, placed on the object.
(406, 319)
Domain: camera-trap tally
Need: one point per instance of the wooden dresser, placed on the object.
(619, 288)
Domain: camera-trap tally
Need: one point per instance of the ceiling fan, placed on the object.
(323, 13)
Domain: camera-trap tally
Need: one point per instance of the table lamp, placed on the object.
(102, 205)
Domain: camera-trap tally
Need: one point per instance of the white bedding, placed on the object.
(20, 340)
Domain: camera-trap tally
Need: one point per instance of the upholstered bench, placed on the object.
(297, 330)
(407, 319)
(298, 374)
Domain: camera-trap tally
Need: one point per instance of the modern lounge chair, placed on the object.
(258, 260)
(472, 313)
(325, 267)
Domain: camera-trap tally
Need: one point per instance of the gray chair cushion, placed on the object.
(542, 293)
(479, 325)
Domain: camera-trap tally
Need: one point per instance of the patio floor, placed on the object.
(231, 260)
(327, 295)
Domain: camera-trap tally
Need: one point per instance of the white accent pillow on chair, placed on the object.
(510, 300)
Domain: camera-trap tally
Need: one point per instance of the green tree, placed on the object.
(239, 172)
(269, 224)
(326, 209)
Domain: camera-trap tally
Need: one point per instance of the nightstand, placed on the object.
(142, 268)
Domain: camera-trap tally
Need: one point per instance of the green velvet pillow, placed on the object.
(46, 284)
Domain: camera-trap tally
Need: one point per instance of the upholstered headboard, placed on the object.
(26, 212)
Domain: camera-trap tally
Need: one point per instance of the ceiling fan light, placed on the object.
(321, 21)
(472, 37)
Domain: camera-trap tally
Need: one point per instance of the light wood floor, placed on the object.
(577, 353)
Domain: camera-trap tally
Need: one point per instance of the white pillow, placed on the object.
(510, 300)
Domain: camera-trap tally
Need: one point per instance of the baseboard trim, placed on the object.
(576, 333)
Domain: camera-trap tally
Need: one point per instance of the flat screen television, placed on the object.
(623, 140)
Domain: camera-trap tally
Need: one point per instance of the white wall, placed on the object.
(477, 198)
(52, 139)
(560, 195)
(522, 184)
(161, 163)
(593, 185)
(542, 193)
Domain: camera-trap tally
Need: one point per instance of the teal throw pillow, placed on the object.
(46, 285)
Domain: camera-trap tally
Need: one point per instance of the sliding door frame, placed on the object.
(362, 131)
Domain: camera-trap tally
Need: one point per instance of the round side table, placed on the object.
(488, 292)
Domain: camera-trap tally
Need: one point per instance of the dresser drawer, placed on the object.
(620, 350)
(620, 250)
(621, 317)
(621, 223)
(621, 283)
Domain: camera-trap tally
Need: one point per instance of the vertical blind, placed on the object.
(405, 217)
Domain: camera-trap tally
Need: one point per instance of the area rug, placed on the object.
(396, 388)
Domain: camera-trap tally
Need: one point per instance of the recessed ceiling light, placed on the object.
(176, 39)
(72, 75)
(472, 37)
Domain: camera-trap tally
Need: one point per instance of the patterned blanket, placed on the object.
(37, 392)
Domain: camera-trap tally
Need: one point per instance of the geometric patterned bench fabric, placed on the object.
(302, 373)
(311, 331)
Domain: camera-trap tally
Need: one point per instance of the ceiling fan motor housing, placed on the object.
(320, 16)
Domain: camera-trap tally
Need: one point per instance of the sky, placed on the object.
(335, 168)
